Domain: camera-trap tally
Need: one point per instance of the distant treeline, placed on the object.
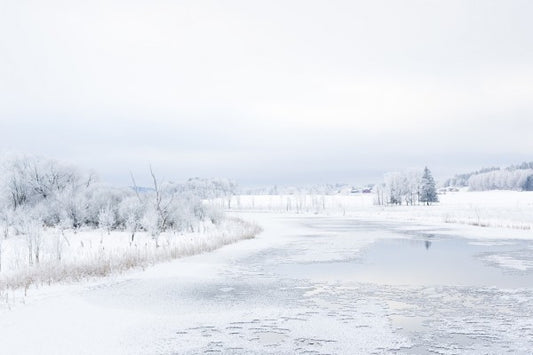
(515, 177)
(310, 189)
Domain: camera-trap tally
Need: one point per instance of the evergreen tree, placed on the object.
(528, 186)
(428, 191)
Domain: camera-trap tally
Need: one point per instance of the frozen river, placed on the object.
(306, 285)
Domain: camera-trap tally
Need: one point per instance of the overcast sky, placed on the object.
(268, 92)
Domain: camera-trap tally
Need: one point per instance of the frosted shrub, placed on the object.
(49, 212)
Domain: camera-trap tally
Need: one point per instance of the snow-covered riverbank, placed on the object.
(69, 256)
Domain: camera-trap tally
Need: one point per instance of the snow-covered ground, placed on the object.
(500, 210)
(296, 288)
(336, 274)
(66, 255)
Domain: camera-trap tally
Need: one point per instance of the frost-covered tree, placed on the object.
(412, 187)
(1, 242)
(73, 208)
(514, 177)
(106, 219)
(29, 224)
(130, 214)
(27, 180)
(99, 197)
(151, 223)
(379, 194)
(394, 187)
(59, 196)
(399, 188)
(507, 179)
(428, 191)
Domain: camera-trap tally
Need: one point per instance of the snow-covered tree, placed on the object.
(394, 187)
(405, 187)
(528, 186)
(57, 195)
(412, 182)
(428, 191)
(130, 214)
(106, 219)
(29, 224)
(151, 223)
(514, 177)
(27, 180)
(399, 188)
(506, 179)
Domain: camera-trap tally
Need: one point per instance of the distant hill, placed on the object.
(141, 189)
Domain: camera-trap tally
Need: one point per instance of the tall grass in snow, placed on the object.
(91, 254)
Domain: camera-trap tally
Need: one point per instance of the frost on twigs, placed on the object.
(116, 254)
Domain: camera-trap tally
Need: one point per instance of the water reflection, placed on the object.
(401, 261)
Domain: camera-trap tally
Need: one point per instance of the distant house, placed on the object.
(358, 190)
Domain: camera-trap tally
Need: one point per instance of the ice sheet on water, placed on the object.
(509, 262)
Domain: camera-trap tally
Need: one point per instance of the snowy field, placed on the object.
(500, 210)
